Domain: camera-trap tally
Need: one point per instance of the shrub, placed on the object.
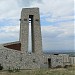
(66, 66)
(10, 70)
(13, 70)
(59, 66)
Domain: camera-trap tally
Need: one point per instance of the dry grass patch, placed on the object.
(59, 71)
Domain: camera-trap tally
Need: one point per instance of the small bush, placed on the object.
(59, 66)
(10, 70)
(17, 70)
(66, 66)
(13, 70)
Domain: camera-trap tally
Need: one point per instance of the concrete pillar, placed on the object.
(32, 13)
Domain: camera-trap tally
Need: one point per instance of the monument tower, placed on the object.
(30, 15)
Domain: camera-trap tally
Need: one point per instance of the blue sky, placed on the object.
(57, 22)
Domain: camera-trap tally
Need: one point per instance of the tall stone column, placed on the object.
(32, 13)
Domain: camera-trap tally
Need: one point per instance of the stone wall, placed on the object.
(60, 60)
(72, 60)
(57, 60)
(14, 59)
(9, 58)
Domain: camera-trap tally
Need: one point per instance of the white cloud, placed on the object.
(9, 9)
(12, 8)
(58, 37)
(57, 7)
(60, 19)
(10, 28)
(63, 30)
(9, 33)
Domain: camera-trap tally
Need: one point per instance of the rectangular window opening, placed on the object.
(31, 35)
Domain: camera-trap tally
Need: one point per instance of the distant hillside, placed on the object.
(72, 54)
(59, 52)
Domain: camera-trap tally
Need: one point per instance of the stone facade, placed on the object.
(56, 60)
(13, 57)
(60, 60)
(32, 13)
(9, 58)
(72, 60)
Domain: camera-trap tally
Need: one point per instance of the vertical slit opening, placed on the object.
(31, 35)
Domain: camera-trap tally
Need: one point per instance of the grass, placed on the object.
(59, 71)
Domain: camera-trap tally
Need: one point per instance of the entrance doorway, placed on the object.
(49, 62)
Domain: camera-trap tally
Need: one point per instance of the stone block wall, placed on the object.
(14, 59)
(9, 58)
